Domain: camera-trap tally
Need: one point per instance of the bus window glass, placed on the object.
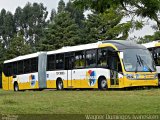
(114, 61)
(156, 56)
(27, 66)
(14, 68)
(34, 65)
(91, 58)
(50, 62)
(59, 61)
(7, 69)
(138, 60)
(102, 57)
(79, 59)
(20, 67)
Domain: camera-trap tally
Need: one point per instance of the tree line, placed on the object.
(31, 29)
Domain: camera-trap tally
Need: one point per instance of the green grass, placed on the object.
(80, 102)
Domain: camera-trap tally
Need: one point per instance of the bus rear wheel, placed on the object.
(16, 88)
(102, 84)
(59, 84)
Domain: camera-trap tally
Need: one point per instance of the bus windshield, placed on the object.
(138, 60)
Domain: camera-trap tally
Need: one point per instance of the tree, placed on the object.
(2, 53)
(75, 13)
(7, 27)
(106, 26)
(30, 22)
(62, 32)
(149, 38)
(53, 14)
(61, 6)
(18, 47)
(143, 8)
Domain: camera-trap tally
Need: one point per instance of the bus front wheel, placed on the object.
(102, 83)
(59, 84)
(16, 88)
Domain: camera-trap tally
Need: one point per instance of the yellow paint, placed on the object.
(51, 83)
(27, 85)
(131, 83)
(123, 82)
(157, 44)
(107, 45)
(7, 82)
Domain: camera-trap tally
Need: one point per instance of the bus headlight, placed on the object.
(129, 76)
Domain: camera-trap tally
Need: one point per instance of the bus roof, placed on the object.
(75, 48)
(23, 57)
(152, 44)
(120, 44)
(124, 44)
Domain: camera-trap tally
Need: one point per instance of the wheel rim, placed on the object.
(16, 88)
(60, 84)
(103, 83)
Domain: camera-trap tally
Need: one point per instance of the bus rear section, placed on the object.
(25, 72)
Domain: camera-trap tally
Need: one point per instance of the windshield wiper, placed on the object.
(139, 62)
(143, 62)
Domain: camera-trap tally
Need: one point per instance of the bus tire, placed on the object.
(102, 83)
(59, 84)
(16, 87)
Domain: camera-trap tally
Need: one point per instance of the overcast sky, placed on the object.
(11, 5)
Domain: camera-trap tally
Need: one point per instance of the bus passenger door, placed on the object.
(114, 66)
(69, 66)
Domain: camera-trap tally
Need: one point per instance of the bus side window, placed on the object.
(27, 66)
(91, 58)
(79, 59)
(102, 57)
(14, 68)
(114, 61)
(34, 64)
(59, 61)
(20, 67)
(50, 62)
(156, 55)
(7, 69)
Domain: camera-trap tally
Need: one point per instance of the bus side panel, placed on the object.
(51, 79)
(80, 78)
(4, 82)
(52, 76)
(27, 81)
(103, 72)
(88, 78)
(7, 82)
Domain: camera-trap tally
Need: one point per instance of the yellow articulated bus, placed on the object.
(102, 65)
(154, 48)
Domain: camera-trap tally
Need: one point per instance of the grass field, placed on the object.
(80, 102)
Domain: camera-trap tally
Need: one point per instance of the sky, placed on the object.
(11, 5)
